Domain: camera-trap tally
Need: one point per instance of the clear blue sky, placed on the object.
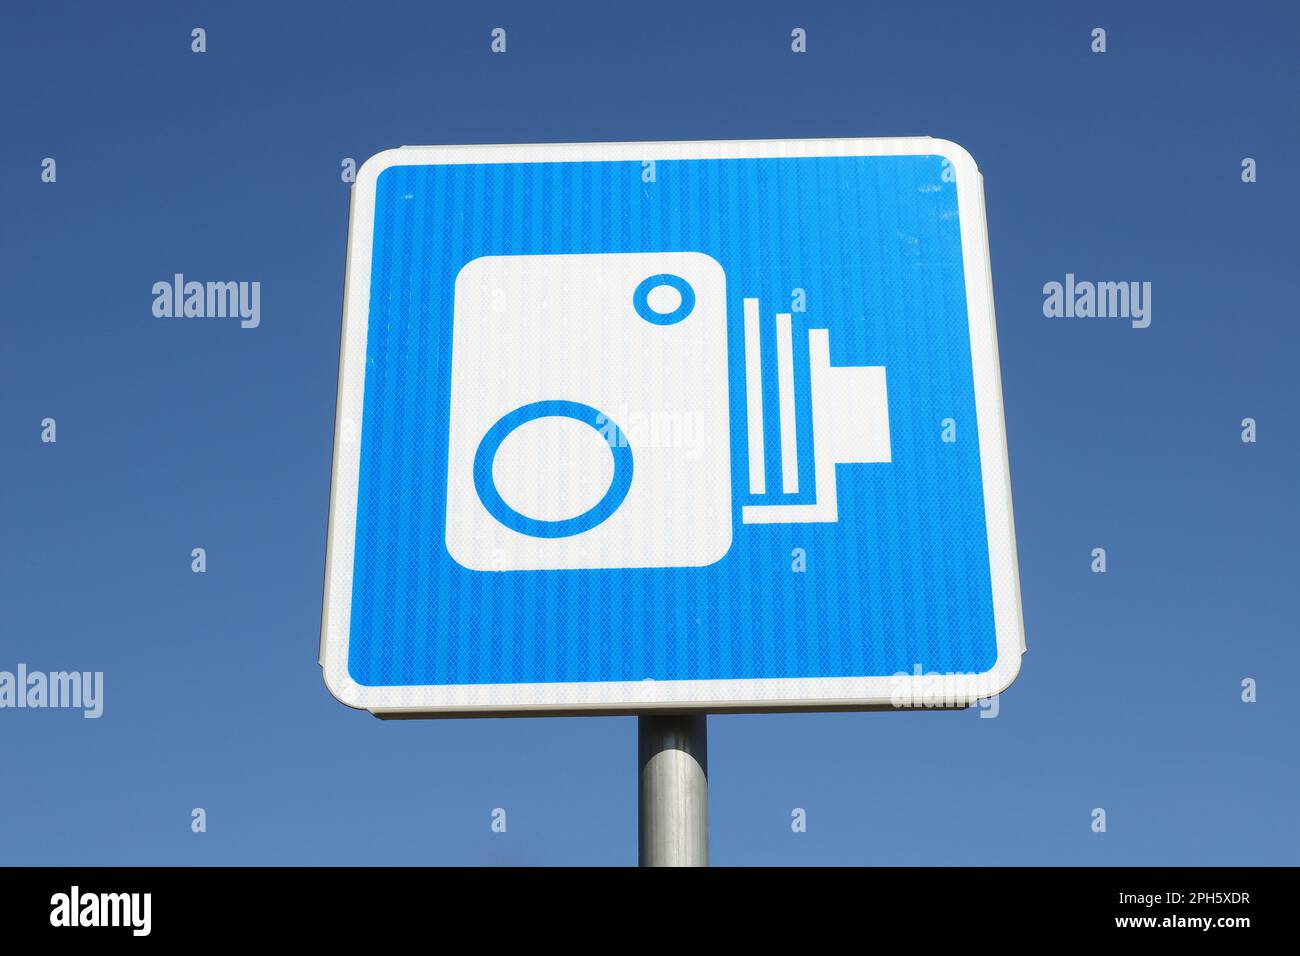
(174, 435)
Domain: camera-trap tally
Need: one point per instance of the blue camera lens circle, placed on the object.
(641, 299)
(565, 527)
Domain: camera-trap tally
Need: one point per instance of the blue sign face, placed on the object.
(659, 425)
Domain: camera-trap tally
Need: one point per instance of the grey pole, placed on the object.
(673, 753)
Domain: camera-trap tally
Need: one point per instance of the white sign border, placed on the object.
(713, 696)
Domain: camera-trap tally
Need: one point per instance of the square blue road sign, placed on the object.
(636, 426)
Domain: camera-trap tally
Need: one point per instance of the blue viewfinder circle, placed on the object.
(641, 299)
(565, 527)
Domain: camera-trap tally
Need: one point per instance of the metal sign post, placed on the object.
(673, 759)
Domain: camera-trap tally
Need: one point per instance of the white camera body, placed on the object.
(589, 423)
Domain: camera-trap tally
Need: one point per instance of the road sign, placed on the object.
(706, 426)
